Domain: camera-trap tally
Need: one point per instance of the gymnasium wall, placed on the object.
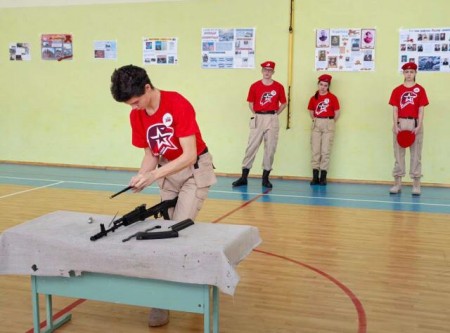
(63, 113)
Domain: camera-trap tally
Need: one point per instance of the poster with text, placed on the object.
(56, 47)
(345, 49)
(228, 48)
(20, 51)
(160, 51)
(105, 49)
(429, 48)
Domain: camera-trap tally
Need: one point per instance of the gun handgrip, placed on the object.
(182, 225)
(157, 235)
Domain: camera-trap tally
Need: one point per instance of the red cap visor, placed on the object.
(405, 138)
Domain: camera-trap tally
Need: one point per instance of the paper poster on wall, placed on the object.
(345, 49)
(105, 49)
(429, 48)
(20, 51)
(228, 48)
(56, 47)
(160, 51)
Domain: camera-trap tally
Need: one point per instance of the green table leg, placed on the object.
(215, 309)
(52, 325)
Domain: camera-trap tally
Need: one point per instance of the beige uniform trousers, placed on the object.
(322, 137)
(262, 126)
(191, 185)
(415, 169)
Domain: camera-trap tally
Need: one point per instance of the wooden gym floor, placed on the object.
(341, 258)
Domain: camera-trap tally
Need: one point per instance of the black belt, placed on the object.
(415, 120)
(325, 117)
(266, 112)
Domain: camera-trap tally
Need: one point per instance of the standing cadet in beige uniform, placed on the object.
(266, 100)
(408, 101)
(324, 110)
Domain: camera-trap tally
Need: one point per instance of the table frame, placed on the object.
(162, 294)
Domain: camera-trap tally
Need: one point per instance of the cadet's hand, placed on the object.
(141, 181)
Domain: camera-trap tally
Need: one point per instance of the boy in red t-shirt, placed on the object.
(175, 155)
(266, 100)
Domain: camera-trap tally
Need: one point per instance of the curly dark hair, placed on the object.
(129, 81)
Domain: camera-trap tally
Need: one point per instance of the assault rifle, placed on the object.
(140, 213)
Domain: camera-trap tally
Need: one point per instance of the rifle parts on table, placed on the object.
(165, 234)
(140, 213)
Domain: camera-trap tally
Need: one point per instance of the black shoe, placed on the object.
(315, 179)
(267, 183)
(240, 182)
(323, 178)
(265, 179)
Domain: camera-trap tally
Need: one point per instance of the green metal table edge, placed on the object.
(162, 294)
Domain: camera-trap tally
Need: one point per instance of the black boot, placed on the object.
(323, 178)
(315, 179)
(243, 180)
(265, 179)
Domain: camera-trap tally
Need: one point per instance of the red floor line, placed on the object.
(61, 313)
(242, 206)
(362, 320)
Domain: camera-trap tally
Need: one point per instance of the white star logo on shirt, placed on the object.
(322, 107)
(407, 98)
(162, 140)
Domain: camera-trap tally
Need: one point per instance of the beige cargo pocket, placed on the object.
(331, 125)
(252, 124)
(203, 171)
(201, 194)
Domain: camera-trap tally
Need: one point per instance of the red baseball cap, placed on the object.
(409, 65)
(405, 138)
(325, 78)
(268, 64)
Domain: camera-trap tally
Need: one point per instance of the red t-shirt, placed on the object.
(174, 119)
(409, 100)
(266, 98)
(324, 106)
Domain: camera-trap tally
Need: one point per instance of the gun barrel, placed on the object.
(97, 236)
(100, 234)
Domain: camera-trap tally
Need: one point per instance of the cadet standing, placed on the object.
(408, 101)
(324, 110)
(266, 100)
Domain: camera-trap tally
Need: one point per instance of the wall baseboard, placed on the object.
(220, 174)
